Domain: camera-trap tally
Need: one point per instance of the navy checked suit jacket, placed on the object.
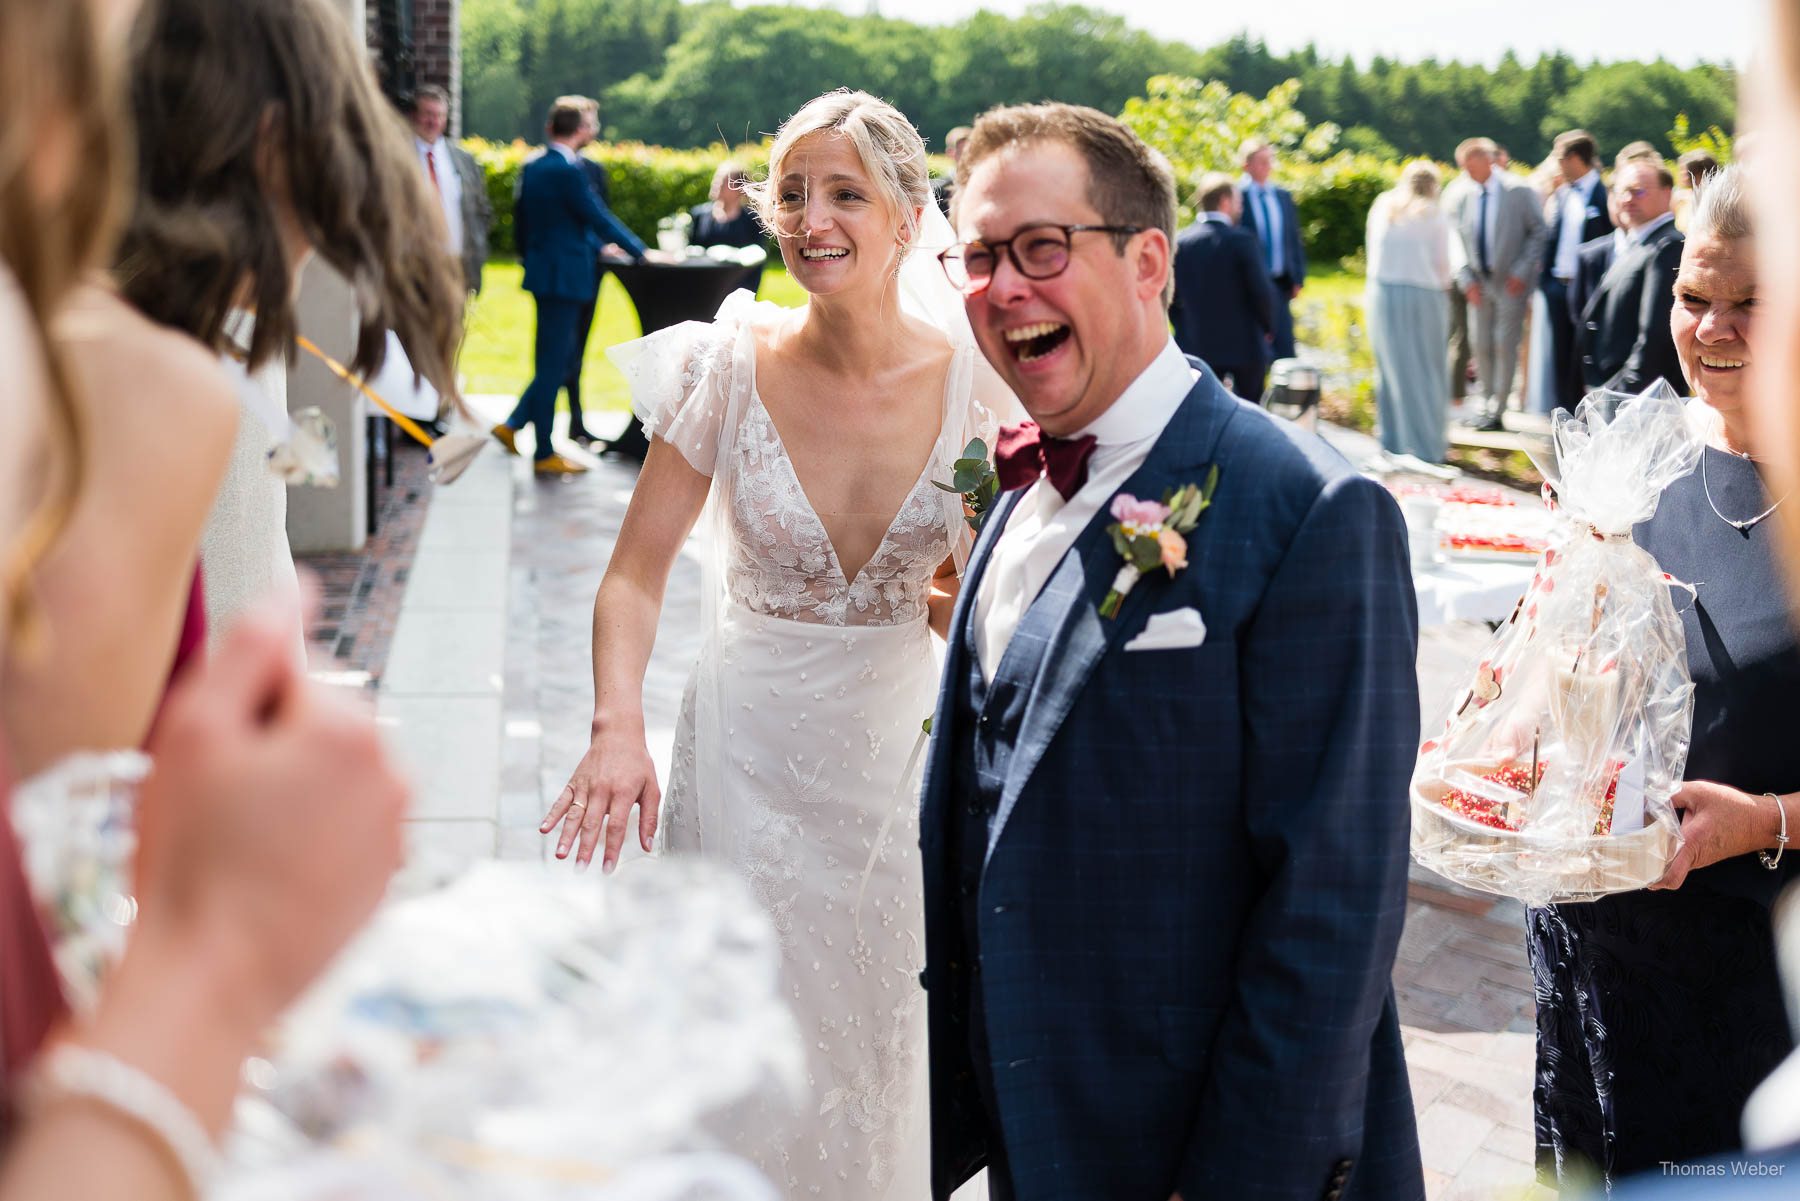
(1196, 877)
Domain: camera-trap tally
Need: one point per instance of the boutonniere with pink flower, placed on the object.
(1151, 535)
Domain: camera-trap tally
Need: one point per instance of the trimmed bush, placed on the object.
(649, 183)
(1333, 199)
(646, 183)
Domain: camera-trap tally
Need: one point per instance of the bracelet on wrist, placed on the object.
(71, 1072)
(1781, 840)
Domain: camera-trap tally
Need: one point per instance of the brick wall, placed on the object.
(437, 42)
(436, 48)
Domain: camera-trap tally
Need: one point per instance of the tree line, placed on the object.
(682, 75)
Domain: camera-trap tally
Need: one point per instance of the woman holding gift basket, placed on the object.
(1659, 1010)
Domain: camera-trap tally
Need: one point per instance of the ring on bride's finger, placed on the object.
(578, 804)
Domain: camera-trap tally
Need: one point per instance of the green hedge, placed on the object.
(647, 183)
(1333, 199)
(650, 182)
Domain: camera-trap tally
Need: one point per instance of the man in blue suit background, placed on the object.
(1224, 308)
(1164, 845)
(559, 226)
(1269, 213)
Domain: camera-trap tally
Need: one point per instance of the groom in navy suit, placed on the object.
(1164, 851)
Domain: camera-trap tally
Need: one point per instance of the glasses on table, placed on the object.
(1037, 252)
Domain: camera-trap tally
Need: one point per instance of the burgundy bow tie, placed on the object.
(1022, 451)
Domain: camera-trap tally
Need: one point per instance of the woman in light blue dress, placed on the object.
(1408, 311)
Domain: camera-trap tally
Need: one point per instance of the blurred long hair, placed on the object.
(1415, 195)
(236, 98)
(59, 105)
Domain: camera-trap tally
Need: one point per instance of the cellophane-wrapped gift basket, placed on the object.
(1551, 775)
(507, 1034)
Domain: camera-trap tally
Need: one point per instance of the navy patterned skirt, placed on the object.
(1657, 1015)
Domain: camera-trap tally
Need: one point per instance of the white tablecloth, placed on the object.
(1469, 591)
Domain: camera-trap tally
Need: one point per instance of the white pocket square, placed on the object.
(1170, 631)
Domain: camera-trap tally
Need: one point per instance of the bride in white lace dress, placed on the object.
(817, 433)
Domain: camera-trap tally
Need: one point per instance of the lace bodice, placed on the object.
(693, 382)
(783, 563)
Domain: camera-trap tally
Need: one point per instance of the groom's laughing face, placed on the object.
(1067, 346)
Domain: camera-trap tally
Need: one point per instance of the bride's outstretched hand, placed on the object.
(614, 775)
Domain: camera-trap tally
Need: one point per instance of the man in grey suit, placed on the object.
(1500, 223)
(457, 180)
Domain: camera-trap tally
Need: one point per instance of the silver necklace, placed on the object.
(1742, 527)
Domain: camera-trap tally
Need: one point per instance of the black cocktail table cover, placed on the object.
(667, 294)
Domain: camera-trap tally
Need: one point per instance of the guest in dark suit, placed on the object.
(1224, 309)
(725, 220)
(559, 227)
(1269, 213)
(1591, 264)
(597, 182)
(1165, 850)
(1623, 339)
(1577, 215)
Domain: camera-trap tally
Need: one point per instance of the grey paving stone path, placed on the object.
(488, 694)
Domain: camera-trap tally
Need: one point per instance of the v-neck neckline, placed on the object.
(812, 511)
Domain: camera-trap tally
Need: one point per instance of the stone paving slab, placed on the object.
(1461, 979)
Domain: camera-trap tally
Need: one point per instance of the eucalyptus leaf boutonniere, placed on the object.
(1150, 535)
(973, 477)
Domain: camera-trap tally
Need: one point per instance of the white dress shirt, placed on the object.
(1576, 199)
(1042, 526)
(1268, 223)
(435, 156)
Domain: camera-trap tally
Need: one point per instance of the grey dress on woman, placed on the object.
(1408, 316)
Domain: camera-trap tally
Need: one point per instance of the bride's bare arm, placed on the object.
(616, 773)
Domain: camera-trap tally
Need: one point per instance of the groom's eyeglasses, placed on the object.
(1037, 252)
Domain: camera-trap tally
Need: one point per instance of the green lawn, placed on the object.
(1335, 284)
(496, 356)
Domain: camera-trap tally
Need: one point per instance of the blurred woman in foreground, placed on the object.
(270, 822)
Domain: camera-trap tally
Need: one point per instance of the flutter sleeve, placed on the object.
(683, 379)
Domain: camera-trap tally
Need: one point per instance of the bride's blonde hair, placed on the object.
(891, 150)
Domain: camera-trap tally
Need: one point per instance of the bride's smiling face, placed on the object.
(837, 233)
